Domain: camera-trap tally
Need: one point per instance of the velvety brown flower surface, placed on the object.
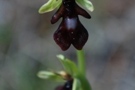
(70, 31)
(66, 86)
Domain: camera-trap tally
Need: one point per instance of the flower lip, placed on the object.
(67, 86)
(70, 31)
(62, 39)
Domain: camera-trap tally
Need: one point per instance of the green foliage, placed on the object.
(79, 80)
(69, 66)
(76, 84)
(84, 82)
(5, 34)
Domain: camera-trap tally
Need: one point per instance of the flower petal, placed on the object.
(59, 13)
(87, 4)
(59, 87)
(80, 37)
(68, 85)
(50, 6)
(82, 12)
(62, 39)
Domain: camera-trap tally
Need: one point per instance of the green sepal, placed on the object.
(69, 66)
(50, 6)
(85, 85)
(87, 4)
(50, 76)
(76, 84)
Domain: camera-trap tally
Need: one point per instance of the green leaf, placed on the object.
(76, 84)
(87, 4)
(69, 66)
(50, 6)
(49, 75)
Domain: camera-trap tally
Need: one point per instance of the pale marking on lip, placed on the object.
(71, 23)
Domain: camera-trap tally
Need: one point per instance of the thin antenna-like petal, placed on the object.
(82, 12)
(57, 15)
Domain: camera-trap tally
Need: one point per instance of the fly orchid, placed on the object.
(70, 31)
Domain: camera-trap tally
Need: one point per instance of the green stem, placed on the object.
(82, 67)
(81, 61)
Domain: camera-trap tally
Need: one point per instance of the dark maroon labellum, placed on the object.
(70, 31)
(66, 86)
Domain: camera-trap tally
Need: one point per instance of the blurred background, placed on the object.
(27, 45)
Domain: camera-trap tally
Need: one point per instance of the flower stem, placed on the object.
(81, 62)
(82, 67)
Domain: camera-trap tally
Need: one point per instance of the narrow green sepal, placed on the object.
(85, 85)
(87, 4)
(69, 66)
(50, 6)
(76, 84)
(50, 76)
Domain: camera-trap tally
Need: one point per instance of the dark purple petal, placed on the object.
(62, 39)
(80, 37)
(82, 12)
(68, 85)
(59, 88)
(59, 13)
